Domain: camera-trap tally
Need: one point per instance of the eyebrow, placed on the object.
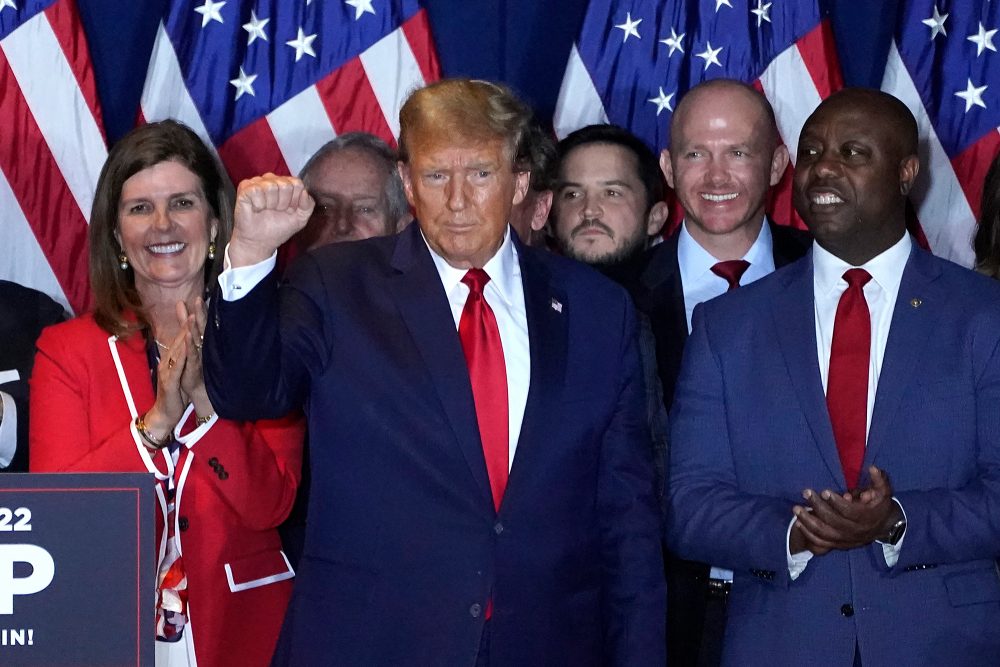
(574, 184)
(189, 193)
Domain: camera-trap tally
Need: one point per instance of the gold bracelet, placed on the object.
(140, 426)
(199, 421)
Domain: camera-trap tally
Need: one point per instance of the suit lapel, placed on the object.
(546, 307)
(794, 322)
(917, 309)
(661, 297)
(424, 307)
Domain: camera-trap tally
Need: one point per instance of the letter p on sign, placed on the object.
(43, 569)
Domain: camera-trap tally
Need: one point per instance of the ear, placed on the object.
(543, 204)
(779, 162)
(908, 170)
(666, 167)
(657, 217)
(213, 229)
(521, 179)
(404, 175)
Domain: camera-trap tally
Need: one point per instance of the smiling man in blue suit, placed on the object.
(802, 395)
(482, 485)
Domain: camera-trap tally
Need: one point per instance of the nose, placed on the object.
(161, 219)
(591, 207)
(825, 164)
(340, 220)
(457, 199)
(716, 172)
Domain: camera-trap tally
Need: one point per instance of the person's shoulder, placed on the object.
(79, 331)
(967, 287)
(28, 304)
(574, 276)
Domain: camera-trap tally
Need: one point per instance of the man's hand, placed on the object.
(269, 210)
(844, 521)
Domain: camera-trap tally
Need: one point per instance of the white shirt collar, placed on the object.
(500, 268)
(886, 269)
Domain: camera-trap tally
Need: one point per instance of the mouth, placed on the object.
(166, 248)
(719, 198)
(825, 198)
(592, 228)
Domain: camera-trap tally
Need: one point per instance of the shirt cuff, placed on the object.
(235, 283)
(8, 430)
(796, 562)
(891, 551)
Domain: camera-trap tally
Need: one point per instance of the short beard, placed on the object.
(631, 248)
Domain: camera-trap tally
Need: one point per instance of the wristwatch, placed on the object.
(895, 532)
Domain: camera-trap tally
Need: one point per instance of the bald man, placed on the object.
(724, 156)
(870, 360)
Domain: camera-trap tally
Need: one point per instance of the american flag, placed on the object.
(267, 82)
(944, 65)
(634, 60)
(52, 147)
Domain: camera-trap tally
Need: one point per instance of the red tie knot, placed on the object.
(731, 271)
(476, 280)
(857, 278)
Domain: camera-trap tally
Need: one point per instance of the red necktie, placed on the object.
(731, 271)
(847, 383)
(484, 355)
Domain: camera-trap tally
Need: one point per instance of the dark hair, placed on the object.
(538, 155)
(987, 241)
(648, 165)
(145, 146)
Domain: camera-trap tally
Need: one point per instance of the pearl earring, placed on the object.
(123, 261)
(211, 250)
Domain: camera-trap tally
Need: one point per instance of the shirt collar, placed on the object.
(697, 261)
(886, 269)
(500, 268)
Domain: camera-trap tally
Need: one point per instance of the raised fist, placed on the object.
(269, 210)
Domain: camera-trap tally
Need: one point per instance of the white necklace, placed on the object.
(160, 345)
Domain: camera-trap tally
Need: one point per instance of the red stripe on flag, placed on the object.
(351, 104)
(46, 200)
(971, 166)
(820, 57)
(418, 33)
(65, 22)
(253, 151)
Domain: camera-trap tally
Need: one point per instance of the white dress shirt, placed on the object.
(880, 293)
(696, 263)
(504, 294)
(8, 428)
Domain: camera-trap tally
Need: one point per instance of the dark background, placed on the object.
(523, 42)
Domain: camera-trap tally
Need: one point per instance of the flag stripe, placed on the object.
(971, 166)
(252, 151)
(64, 19)
(299, 126)
(418, 34)
(44, 198)
(792, 104)
(579, 104)
(352, 104)
(393, 73)
(820, 58)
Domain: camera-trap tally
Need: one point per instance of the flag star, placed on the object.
(675, 42)
(210, 11)
(360, 7)
(630, 27)
(243, 84)
(710, 56)
(302, 44)
(983, 40)
(662, 102)
(763, 12)
(4, 4)
(973, 96)
(936, 23)
(719, 3)
(255, 28)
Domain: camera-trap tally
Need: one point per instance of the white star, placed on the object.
(256, 28)
(4, 4)
(210, 12)
(675, 42)
(710, 56)
(936, 23)
(719, 3)
(630, 27)
(763, 12)
(244, 84)
(302, 44)
(983, 40)
(360, 7)
(972, 96)
(662, 102)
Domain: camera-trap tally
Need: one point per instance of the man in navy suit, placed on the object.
(801, 396)
(444, 528)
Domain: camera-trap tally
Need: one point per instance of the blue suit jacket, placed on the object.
(403, 546)
(750, 431)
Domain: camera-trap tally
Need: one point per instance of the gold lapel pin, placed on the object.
(915, 302)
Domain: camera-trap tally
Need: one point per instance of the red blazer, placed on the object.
(235, 481)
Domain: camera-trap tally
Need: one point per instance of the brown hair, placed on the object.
(987, 241)
(113, 288)
(471, 109)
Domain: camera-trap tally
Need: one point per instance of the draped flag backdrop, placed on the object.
(267, 81)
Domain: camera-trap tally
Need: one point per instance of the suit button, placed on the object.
(214, 462)
(182, 523)
(223, 475)
(847, 610)
(498, 528)
(475, 610)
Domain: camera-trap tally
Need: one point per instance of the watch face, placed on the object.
(896, 532)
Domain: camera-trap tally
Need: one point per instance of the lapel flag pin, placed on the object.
(915, 302)
(556, 306)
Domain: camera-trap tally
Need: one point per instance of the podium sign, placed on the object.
(76, 569)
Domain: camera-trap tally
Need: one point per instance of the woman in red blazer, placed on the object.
(121, 389)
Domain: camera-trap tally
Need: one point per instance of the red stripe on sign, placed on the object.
(820, 57)
(253, 151)
(971, 166)
(418, 33)
(65, 22)
(46, 200)
(351, 104)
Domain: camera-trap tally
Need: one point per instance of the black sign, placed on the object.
(76, 569)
